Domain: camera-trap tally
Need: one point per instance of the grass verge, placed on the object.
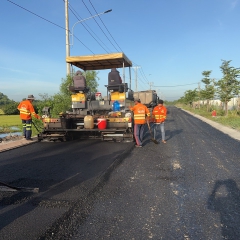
(232, 120)
(7, 122)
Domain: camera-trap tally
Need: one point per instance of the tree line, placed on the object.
(224, 89)
(59, 102)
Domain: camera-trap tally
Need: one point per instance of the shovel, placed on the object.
(152, 139)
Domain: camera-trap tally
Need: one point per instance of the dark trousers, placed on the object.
(138, 133)
(27, 128)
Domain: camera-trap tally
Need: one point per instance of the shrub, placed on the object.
(11, 109)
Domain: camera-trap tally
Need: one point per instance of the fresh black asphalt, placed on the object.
(187, 188)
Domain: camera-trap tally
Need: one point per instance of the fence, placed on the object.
(234, 103)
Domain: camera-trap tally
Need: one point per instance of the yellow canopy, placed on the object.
(101, 61)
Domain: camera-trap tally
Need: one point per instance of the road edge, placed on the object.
(227, 130)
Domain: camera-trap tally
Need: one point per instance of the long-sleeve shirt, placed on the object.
(26, 110)
(140, 111)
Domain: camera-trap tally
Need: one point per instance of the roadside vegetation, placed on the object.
(10, 121)
(232, 120)
(198, 100)
(224, 89)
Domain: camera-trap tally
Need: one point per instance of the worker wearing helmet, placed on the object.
(160, 114)
(140, 112)
(26, 112)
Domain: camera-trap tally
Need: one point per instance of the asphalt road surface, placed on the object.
(66, 174)
(185, 189)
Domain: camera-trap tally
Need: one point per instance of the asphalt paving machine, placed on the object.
(93, 116)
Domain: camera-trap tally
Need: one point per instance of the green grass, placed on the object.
(232, 120)
(8, 121)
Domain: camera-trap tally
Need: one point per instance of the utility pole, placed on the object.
(136, 68)
(150, 85)
(67, 35)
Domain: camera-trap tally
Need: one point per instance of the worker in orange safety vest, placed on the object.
(160, 114)
(26, 112)
(140, 112)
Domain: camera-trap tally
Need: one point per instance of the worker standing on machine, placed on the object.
(26, 112)
(140, 112)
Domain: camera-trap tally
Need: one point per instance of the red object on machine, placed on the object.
(102, 123)
(98, 95)
(214, 113)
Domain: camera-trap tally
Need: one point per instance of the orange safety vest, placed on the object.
(26, 110)
(140, 111)
(160, 114)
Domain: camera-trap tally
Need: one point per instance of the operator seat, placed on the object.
(114, 77)
(79, 83)
(115, 81)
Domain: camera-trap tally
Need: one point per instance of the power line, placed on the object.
(178, 85)
(106, 29)
(97, 22)
(36, 15)
(138, 76)
(84, 45)
(71, 9)
(143, 74)
(141, 71)
(48, 21)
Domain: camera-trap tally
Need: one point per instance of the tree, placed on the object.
(11, 108)
(62, 101)
(4, 99)
(228, 86)
(208, 92)
(46, 101)
(91, 79)
(189, 96)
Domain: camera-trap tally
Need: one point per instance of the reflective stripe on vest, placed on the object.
(25, 111)
(160, 117)
(139, 116)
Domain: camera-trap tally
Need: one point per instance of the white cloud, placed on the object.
(17, 71)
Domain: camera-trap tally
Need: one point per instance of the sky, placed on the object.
(170, 42)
